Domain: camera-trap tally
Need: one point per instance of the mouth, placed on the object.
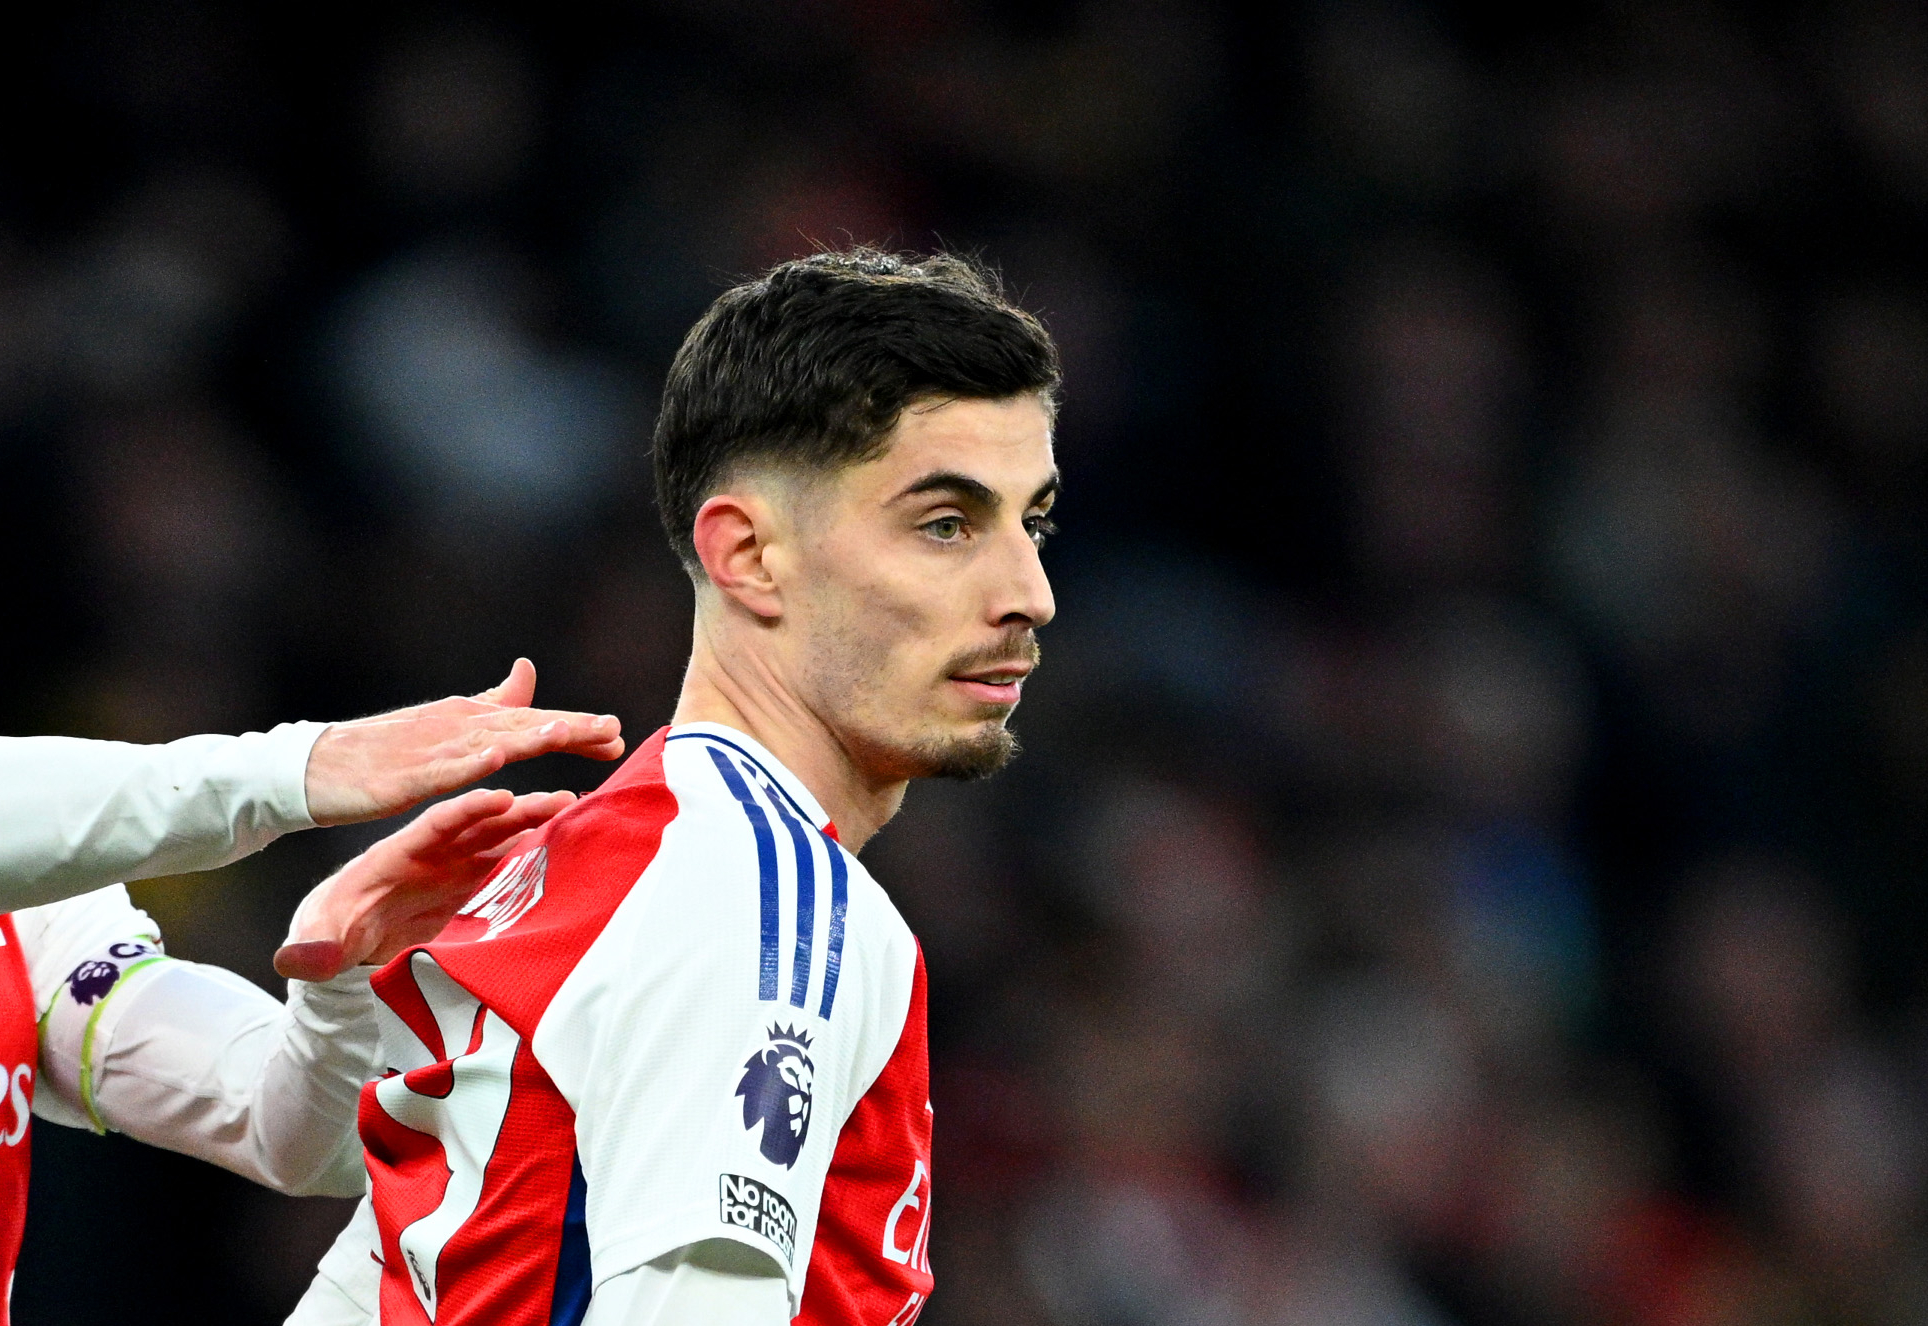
(996, 686)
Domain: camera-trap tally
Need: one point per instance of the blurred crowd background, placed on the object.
(1467, 867)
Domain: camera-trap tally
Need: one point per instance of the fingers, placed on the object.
(506, 721)
(505, 736)
(448, 820)
(516, 690)
(523, 734)
(404, 889)
(529, 811)
(504, 849)
(372, 767)
(476, 822)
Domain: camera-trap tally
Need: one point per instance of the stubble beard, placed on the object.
(970, 757)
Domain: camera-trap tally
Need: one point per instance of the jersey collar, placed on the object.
(772, 768)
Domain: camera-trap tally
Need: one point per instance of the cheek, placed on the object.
(878, 628)
(875, 623)
(901, 600)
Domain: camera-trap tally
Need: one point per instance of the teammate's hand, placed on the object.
(373, 767)
(406, 887)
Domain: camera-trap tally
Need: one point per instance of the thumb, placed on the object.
(515, 690)
(310, 960)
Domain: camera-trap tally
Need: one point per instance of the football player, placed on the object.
(670, 1065)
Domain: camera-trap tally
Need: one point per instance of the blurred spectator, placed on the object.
(1435, 374)
(1658, 120)
(1875, 56)
(451, 115)
(161, 281)
(490, 433)
(1394, 101)
(1137, 1226)
(1394, 1106)
(1699, 558)
(189, 532)
(1870, 363)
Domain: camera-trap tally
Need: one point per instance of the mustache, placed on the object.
(1019, 644)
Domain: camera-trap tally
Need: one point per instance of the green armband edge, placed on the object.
(87, 1101)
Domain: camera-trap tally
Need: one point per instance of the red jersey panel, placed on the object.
(19, 1055)
(872, 1259)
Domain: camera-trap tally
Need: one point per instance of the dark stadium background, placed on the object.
(1468, 863)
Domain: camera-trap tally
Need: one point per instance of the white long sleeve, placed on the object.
(194, 1058)
(714, 1283)
(80, 815)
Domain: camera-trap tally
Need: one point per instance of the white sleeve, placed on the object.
(346, 1290)
(195, 1059)
(78, 815)
(711, 1282)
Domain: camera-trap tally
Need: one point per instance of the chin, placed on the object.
(967, 757)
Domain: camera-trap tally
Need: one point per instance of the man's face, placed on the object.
(916, 588)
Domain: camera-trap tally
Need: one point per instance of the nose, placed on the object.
(1022, 596)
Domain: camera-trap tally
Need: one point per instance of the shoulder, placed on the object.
(724, 786)
(574, 870)
(672, 804)
(627, 814)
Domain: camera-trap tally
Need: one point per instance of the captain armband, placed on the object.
(76, 1029)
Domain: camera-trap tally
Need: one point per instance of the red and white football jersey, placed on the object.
(683, 1012)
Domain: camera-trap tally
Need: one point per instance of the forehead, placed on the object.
(1004, 444)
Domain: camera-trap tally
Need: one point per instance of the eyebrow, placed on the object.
(973, 490)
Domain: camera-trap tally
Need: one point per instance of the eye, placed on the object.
(945, 529)
(1040, 528)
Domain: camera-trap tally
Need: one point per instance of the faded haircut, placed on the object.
(812, 364)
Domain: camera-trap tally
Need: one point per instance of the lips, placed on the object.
(993, 677)
(996, 685)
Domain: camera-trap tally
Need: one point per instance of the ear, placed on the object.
(732, 534)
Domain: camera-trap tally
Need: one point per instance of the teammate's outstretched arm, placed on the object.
(197, 1060)
(79, 815)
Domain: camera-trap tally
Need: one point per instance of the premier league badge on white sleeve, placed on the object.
(776, 1089)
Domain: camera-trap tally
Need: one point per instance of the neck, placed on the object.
(748, 695)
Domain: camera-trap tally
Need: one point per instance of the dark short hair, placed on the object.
(812, 363)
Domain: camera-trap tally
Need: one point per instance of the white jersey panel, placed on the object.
(721, 1028)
